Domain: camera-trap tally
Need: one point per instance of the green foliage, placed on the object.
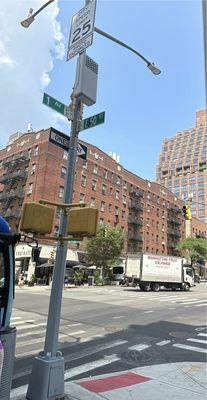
(104, 249)
(193, 248)
(78, 276)
(97, 279)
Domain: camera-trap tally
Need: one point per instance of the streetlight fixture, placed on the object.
(31, 17)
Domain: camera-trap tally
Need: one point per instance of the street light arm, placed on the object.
(27, 22)
(150, 65)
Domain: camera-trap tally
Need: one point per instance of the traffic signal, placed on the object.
(52, 254)
(187, 212)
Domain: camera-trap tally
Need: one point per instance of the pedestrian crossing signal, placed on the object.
(37, 218)
(82, 221)
(52, 254)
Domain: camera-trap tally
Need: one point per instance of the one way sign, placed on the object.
(62, 140)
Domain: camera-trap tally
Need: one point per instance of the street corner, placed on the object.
(174, 381)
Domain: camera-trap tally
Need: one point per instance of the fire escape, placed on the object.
(135, 221)
(174, 224)
(14, 178)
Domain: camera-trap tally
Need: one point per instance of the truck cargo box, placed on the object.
(156, 268)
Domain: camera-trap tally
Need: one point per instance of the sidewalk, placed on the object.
(176, 381)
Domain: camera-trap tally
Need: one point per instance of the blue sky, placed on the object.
(141, 108)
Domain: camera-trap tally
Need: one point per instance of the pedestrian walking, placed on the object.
(21, 281)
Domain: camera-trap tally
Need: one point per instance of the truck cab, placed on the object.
(188, 276)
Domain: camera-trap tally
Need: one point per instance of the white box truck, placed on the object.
(151, 271)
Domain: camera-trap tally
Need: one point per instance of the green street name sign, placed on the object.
(92, 121)
(56, 105)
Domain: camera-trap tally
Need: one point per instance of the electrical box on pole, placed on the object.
(85, 87)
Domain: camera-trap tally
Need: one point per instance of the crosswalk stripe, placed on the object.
(192, 348)
(28, 321)
(200, 305)
(77, 356)
(186, 301)
(193, 302)
(20, 335)
(35, 341)
(202, 334)
(148, 312)
(197, 340)
(78, 323)
(30, 326)
(91, 366)
(14, 318)
(139, 347)
(163, 343)
(75, 333)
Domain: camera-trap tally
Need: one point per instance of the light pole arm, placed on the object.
(150, 65)
(26, 23)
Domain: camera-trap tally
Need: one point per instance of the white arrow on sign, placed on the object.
(81, 31)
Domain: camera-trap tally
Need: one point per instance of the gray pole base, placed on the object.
(8, 338)
(47, 378)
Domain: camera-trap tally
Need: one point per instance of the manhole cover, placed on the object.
(179, 334)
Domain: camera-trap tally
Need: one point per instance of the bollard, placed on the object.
(8, 340)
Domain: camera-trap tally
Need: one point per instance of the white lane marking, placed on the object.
(186, 301)
(120, 316)
(139, 347)
(14, 318)
(147, 312)
(197, 340)
(30, 333)
(30, 326)
(192, 348)
(202, 334)
(78, 356)
(28, 321)
(171, 308)
(75, 333)
(172, 299)
(35, 341)
(91, 366)
(201, 328)
(200, 305)
(78, 323)
(193, 302)
(163, 343)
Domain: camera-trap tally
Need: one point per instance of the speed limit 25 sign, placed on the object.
(81, 31)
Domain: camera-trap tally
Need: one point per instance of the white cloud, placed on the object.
(26, 59)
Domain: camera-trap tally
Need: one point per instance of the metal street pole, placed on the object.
(47, 377)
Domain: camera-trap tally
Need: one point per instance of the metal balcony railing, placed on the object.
(17, 175)
(12, 194)
(18, 158)
(135, 206)
(135, 221)
(135, 237)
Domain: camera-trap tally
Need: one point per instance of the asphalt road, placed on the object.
(110, 329)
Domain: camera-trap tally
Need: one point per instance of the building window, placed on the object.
(65, 155)
(116, 211)
(103, 189)
(124, 199)
(95, 169)
(82, 197)
(110, 207)
(92, 203)
(30, 188)
(102, 205)
(83, 180)
(125, 185)
(29, 152)
(36, 151)
(105, 173)
(101, 221)
(117, 194)
(61, 192)
(85, 164)
(118, 180)
(63, 172)
(93, 185)
(123, 215)
(33, 169)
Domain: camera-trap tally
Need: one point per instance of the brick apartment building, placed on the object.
(31, 168)
(182, 166)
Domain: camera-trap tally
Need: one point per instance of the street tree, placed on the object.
(104, 249)
(193, 249)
